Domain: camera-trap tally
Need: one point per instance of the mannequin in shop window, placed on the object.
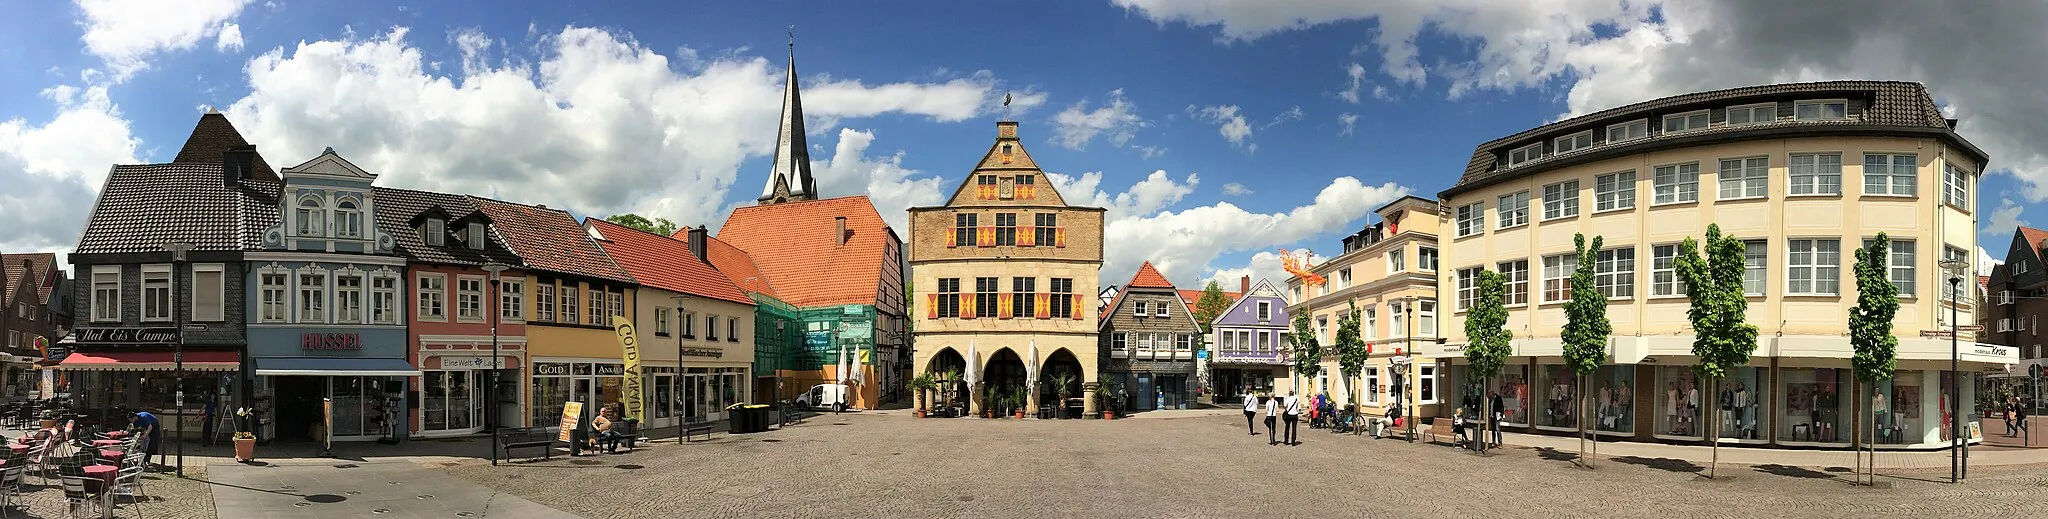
(1671, 415)
(1745, 429)
(1881, 416)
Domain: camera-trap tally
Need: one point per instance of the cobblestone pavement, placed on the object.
(169, 497)
(894, 465)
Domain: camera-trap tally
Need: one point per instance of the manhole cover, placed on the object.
(426, 496)
(628, 467)
(964, 499)
(381, 511)
(346, 466)
(325, 498)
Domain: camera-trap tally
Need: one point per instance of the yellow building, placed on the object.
(1005, 282)
(685, 310)
(1389, 271)
(1804, 173)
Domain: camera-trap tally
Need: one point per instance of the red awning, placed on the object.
(150, 361)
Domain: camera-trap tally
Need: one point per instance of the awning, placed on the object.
(150, 361)
(334, 367)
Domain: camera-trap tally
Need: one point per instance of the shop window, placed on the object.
(1513, 388)
(1372, 385)
(1897, 404)
(1740, 402)
(1614, 399)
(1678, 402)
(1814, 410)
(1560, 397)
(450, 400)
(1426, 384)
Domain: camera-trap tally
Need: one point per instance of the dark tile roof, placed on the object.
(396, 209)
(142, 207)
(1891, 104)
(37, 272)
(550, 239)
(211, 138)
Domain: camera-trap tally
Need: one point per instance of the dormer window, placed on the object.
(435, 233)
(1686, 122)
(1820, 110)
(1525, 154)
(348, 220)
(1628, 131)
(311, 216)
(1575, 142)
(475, 238)
(1139, 308)
(1752, 114)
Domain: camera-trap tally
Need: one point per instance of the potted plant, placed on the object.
(245, 441)
(1104, 397)
(1018, 400)
(1060, 388)
(923, 384)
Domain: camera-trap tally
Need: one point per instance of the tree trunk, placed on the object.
(1855, 421)
(1578, 391)
(1714, 429)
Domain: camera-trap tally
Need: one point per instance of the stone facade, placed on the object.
(1147, 337)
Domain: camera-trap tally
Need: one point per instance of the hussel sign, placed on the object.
(126, 335)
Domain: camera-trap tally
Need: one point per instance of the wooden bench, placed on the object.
(527, 438)
(696, 427)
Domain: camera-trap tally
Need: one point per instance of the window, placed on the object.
(1614, 272)
(1397, 322)
(1425, 383)
(1955, 183)
(964, 229)
(614, 305)
(1062, 299)
(1515, 282)
(1574, 142)
(273, 295)
(595, 316)
(1425, 259)
(106, 293)
(1045, 225)
(1901, 264)
(1676, 183)
(475, 237)
(311, 216)
(1685, 122)
(1557, 277)
(1344, 278)
(1513, 210)
(2020, 268)
(1372, 385)
(710, 327)
(544, 301)
(1006, 229)
(1140, 308)
(1468, 287)
(209, 292)
(1425, 317)
(511, 300)
(431, 292)
(1184, 343)
(1814, 267)
(1119, 342)
(949, 297)
(1744, 178)
(2005, 297)
(1371, 322)
(732, 329)
(1755, 267)
(384, 299)
(2005, 325)
(1525, 154)
(1161, 307)
(1469, 216)
(1628, 131)
(1397, 261)
(1752, 114)
(1228, 341)
(348, 298)
(1820, 110)
(1561, 199)
(1952, 254)
(1614, 191)
(661, 321)
(348, 220)
(1144, 341)
(156, 292)
(1890, 174)
(312, 297)
(1264, 345)
(688, 321)
(469, 298)
(1023, 297)
(1265, 311)
(436, 232)
(1664, 271)
(1816, 174)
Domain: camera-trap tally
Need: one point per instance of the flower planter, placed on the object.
(1020, 414)
(245, 449)
(1109, 415)
(920, 413)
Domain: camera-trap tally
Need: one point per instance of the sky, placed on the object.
(1216, 132)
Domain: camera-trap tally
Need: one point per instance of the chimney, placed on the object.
(1244, 285)
(238, 163)
(839, 224)
(696, 242)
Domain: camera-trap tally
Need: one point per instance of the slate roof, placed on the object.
(665, 263)
(734, 263)
(1890, 104)
(396, 209)
(211, 138)
(550, 240)
(792, 243)
(37, 272)
(142, 207)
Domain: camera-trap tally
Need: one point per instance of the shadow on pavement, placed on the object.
(1664, 464)
(1551, 454)
(1793, 472)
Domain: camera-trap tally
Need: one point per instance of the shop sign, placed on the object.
(1990, 350)
(547, 368)
(572, 417)
(465, 362)
(580, 368)
(611, 370)
(126, 335)
(330, 341)
(703, 352)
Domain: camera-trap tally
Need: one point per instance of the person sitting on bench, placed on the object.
(607, 430)
(1459, 427)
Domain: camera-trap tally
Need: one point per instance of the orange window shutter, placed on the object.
(1077, 306)
(1003, 306)
(966, 306)
(952, 239)
(1025, 236)
(985, 236)
(1059, 237)
(1024, 191)
(1042, 304)
(931, 306)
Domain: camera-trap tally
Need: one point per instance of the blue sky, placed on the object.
(668, 109)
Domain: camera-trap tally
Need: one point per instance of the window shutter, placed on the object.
(931, 307)
(952, 239)
(985, 236)
(1025, 238)
(966, 305)
(1059, 237)
(1025, 191)
(1042, 305)
(1003, 305)
(1077, 307)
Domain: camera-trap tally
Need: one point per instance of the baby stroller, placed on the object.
(1347, 421)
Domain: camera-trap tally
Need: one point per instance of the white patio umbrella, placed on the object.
(840, 367)
(973, 360)
(1031, 371)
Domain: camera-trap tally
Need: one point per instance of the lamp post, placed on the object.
(675, 393)
(1958, 449)
(178, 250)
(491, 378)
(1407, 349)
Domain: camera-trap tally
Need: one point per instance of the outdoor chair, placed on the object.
(43, 460)
(76, 497)
(128, 481)
(10, 487)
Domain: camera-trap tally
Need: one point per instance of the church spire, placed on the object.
(790, 179)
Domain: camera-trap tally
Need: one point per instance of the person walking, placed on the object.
(1251, 409)
(2005, 411)
(1272, 408)
(2019, 416)
(1293, 417)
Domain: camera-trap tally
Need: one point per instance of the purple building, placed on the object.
(1248, 339)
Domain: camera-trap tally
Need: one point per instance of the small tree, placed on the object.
(661, 226)
(1308, 352)
(1351, 352)
(1486, 330)
(1213, 303)
(1723, 339)
(1586, 330)
(1870, 327)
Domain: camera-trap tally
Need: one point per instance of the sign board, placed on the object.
(630, 351)
(327, 423)
(1399, 360)
(549, 368)
(1970, 328)
(1976, 431)
(2034, 371)
(1934, 334)
(126, 335)
(703, 352)
(465, 362)
(1202, 354)
(330, 341)
(572, 415)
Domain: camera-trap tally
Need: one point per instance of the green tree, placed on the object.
(1870, 326)
(1487, 336)
(1213, 303)
(1723, 339)
(1351, 351)
(1308, 352)
(1586, 330)
(661, 226)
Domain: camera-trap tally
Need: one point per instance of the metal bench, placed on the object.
(696, 427)
(527, 438)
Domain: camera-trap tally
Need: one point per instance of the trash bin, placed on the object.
(747, 418)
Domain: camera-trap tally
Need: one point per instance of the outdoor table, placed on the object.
(100, 478)
(117, 434)
(18, 449)
(104, 443)
(112, 455)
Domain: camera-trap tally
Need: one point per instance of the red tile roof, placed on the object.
(734, 263)
(1148, 277)
(1195, 296)
(38, 272)
(2035, 239)
(792, 243)
(551, 240)
(661, 262)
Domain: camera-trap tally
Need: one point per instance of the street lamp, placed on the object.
(675, 393)
(178, 250)
(491, 384)
(1407, 350)
(1958, 449)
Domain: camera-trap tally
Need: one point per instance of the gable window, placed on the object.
(1574, 142)
(1900, 262)
(1468, 287)
(475, 238)
(1894, 174)
(1265, 311)
(209, 292)
(1023, 297)
(1816, 174)
(1514, 282)
(106, 293)
(1139, 308)
(1664, 271)
(312, 297)
(431, 293)
(1820, 110)
(348, 220)
(1513, 210)
(949, 297)
(1685, 122)
(469, 298)
(1561, 200)
(1425, 317)
(964, 226)
(1955, 183)
(1744, 178)
(156, 292)
(1006, 229)
(348, 298)
(544, 301)
(1525, 154)
(1062, 300)
(511, 300)
(273, 294)
(1676, 183)
(1044, 225)
(1397, 261)
(1755, 267)
(435, 233)
(2005, 297)
(1469, 219)
(1557, 277)
(1814, 267)
(1628, 131)
(1119, 343)
(1614, 191)
(384, 299)
(1614, 272)
(1752, 114)
(311, 216)
(1425, 259)
(1161, 307)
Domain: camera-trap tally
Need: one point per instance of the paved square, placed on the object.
(342, 488)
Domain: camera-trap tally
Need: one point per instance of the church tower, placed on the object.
(789, 179)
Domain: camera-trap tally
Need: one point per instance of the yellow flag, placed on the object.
(631, 349)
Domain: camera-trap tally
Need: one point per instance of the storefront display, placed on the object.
(1739, 404)
(1678, 402)
(1813, 407)
(1614, 399)
(451, 401)
(597, 383)
(1946, 414)
(1513, 390)
(1560, 397)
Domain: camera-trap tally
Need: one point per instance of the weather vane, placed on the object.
(792, 36)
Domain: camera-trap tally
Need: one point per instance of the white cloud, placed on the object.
(1264, 265)
(1356, 72)
(229, 39)
(884, 179)
(2004, 219)
(1985, 262)
(593, 121)
(1116, 121)
(1292, 114)
(1236, 189)
(53, 170)
(1147, 152)
(1229, 123)
(126, 33)
(1350, 122)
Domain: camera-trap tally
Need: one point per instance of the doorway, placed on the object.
(298, 407)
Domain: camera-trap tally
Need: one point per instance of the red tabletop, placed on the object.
(103, 473)
(103, 443)
(117, 434)
(113, 454)
(18, 449)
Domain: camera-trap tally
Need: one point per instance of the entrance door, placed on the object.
(1144, 396)
(298, 406)
(582, 393)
